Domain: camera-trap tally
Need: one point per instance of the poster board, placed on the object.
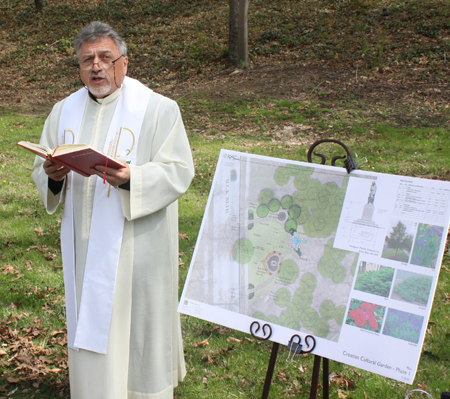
(352, 259)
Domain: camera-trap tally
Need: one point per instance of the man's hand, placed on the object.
(54, 171)
(115, 177)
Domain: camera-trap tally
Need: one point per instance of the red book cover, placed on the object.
(80, 158)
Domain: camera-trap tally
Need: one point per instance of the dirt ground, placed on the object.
(306, 82)
(404, 98)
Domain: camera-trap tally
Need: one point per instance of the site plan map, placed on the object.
(313, 250)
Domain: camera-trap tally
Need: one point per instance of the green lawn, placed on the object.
(221, 362)
(393, 254)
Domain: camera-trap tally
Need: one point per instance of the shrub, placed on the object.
(375, 282)
(415, 289)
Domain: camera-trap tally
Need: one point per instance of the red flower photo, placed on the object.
(365, 315)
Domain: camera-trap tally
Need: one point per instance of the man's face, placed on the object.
(102, 82)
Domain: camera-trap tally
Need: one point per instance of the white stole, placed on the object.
(88, 328)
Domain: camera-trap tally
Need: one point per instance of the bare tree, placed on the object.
(39, 5)
(233, 32)
(238, 34)
(243, 34)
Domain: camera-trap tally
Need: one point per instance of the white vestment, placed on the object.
(145, 353)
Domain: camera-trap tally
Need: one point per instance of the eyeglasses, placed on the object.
(105, 62)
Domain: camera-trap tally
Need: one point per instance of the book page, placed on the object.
(38, 149)
(68, 148)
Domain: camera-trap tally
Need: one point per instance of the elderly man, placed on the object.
(119, 233)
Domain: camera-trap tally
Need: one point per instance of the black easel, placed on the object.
(295, 346)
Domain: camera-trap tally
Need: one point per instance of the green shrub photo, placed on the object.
(376, 282)
(412, 287)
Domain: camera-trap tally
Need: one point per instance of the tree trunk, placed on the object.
(233, 33)
(243, 35)
(238, 34)
(39, 5)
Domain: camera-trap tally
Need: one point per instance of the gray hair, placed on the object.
(98, 30)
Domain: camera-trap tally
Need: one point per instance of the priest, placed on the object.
(119, 232)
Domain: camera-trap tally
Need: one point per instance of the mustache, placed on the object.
(99, 74)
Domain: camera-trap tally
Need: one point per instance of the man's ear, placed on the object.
(125, 64)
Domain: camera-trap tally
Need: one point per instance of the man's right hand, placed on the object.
(54, 171)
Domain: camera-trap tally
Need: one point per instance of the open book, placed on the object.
(80, 158)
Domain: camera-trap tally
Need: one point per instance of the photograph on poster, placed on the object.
(365, 315)
(374, 279)
(403, 325)
(398, 241)
(412, 287)
(426, 245)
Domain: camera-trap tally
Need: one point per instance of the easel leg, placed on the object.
(269, 374)
(315, 377)
(325, 375)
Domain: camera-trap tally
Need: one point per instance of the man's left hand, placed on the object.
(115, 177)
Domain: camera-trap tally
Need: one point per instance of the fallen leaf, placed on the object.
(184, 236)
(13, 380)
(342, 381)
(47, 309)
(62, 331)
(203, 343)
(341, 395)
(17, 278)
(423, 387)
(239, 341)
(211, 359)
(58, 298)
(8, 269)
(44, 360)
(282, 376)
(55, 370)
(223, 351)
(50, 256)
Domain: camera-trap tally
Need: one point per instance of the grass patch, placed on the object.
(31, 287)
(221, 362)
(279, 128)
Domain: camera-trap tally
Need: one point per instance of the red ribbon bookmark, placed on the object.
(104, 174)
